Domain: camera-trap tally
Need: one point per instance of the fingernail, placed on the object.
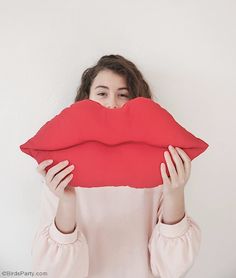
(50, 160)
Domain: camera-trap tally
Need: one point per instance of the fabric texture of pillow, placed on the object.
(112, 147)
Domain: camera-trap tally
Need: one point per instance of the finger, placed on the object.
(55, 169)
(178, 163)
(186, 160)
(171, 167)
(165, 178)
(42, 165)
(61, 187)
(60, 176)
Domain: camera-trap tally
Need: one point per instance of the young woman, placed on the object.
(115, 232)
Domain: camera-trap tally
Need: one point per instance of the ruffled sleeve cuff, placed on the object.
(173, 230)
(60, 237)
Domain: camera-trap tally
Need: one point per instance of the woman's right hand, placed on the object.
(55, 179)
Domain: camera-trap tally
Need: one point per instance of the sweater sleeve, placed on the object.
(173, 248)
(58, 254)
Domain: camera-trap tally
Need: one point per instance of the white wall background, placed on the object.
(186, 52)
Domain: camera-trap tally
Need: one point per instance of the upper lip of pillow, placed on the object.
(139, 120)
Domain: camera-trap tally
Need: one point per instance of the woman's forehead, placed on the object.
(109, 79)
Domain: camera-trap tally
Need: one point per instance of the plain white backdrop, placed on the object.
(186, 52)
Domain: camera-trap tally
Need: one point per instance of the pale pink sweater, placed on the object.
(119, 234)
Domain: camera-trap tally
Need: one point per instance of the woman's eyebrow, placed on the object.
(105, 87)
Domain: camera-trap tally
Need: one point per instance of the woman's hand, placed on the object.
(55, 179)
(179, 173)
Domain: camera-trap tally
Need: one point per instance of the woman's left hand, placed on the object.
(179, 175)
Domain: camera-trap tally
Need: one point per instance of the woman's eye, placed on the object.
(123, 95)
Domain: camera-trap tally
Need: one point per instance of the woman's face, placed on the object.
(109, 89)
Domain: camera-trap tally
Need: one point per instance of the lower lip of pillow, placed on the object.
(98, 165)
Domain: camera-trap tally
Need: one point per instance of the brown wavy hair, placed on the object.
(136, 84)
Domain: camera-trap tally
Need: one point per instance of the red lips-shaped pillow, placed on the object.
(112, 147)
